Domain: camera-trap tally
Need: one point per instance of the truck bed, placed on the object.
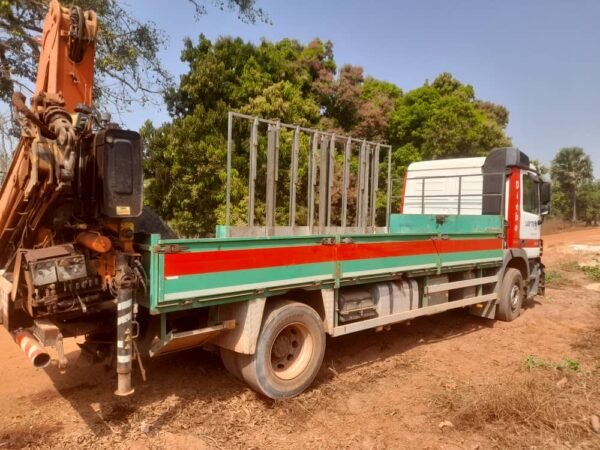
(189, 273)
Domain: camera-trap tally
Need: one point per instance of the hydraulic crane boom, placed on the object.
(64, 81)
(67, 58)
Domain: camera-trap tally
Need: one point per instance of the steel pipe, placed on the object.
(32, 348)
(124, 283)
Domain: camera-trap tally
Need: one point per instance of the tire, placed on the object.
(289, 351)
(231, 361)
(511, 296)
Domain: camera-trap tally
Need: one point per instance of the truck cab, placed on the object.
(503, 183)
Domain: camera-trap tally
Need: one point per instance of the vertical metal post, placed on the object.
(229, 150)
(323, 184)
(312, 179)
(374, 184)
(459, 192)
(252, 174)
(366, 184)
(422, 195)
(330, 178)
(294, 176)
(346, 180)
(124, 284)
(272, 147)
(362, 187)
(388, 205)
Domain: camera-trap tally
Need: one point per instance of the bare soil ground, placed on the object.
(448, 381)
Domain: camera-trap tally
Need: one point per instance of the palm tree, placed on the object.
(572, 168)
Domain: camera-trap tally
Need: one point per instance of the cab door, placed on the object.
(530, 227)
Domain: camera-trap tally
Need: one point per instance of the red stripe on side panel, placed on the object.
(227, 260)
(471, 245)
(513, 213)
(349, 252)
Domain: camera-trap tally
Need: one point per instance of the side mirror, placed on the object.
(545, 194)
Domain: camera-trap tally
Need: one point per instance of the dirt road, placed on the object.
(447, 381)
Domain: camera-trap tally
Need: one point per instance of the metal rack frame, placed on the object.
(322, 159)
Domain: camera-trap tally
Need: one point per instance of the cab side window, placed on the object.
(531, 203)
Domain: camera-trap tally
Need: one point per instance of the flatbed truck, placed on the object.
(76, 258)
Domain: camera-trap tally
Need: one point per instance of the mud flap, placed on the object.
(486, 310)
(248, 316)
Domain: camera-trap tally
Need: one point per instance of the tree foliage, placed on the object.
(300, 84)
(185, 158)
(127, 64)
(571, 169)
(589, 203)
(444, 119)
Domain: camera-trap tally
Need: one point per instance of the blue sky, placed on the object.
(539, 58)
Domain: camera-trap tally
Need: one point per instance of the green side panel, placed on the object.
(188, 291)
(150, 261)
(210, 244)
(467, 257)
(221, 231)
(211, 285)
(451, 224)
(393, 264)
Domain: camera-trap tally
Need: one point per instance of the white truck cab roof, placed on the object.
(444, 186)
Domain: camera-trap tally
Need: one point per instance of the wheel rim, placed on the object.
(515, 294)
(291, 351)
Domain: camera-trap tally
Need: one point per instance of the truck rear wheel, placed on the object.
(289, 351)
(511, 296)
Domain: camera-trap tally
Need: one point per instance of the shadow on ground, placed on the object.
(198, 375)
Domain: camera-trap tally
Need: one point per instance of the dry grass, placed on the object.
(528, 410)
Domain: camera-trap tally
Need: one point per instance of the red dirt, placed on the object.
(375, 390)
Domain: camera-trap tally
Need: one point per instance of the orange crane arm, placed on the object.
(66, 65)
(43, 162)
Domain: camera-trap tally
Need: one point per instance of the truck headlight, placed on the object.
(43, 273)
(71, 268)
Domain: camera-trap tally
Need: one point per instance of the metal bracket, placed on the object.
(169, 248)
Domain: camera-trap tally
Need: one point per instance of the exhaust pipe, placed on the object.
(32, 348)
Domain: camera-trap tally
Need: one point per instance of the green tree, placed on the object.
(589, 199)
(301, 84)
(127, 63)
(539, 166)
(185, 158)
(572, 168)
(444, 119)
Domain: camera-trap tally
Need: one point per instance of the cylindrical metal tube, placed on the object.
(94, 241)
(32, 348)
(124, 340)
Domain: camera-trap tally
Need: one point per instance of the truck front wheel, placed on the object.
(289, 351)
(511, 296)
